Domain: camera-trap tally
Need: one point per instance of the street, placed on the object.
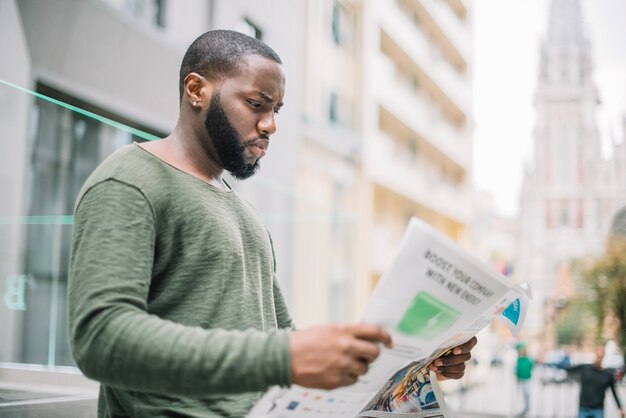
(499, 396)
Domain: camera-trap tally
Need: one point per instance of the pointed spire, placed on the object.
(566, 52)
(566, 22)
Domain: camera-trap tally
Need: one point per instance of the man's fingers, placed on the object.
(358, 367)
(373, 333)
(365, 350)
(349, 379)
(467, 347)
(451, 372)
(452, 359)
(455, 376)
(457, 368)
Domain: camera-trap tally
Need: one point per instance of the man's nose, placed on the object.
(267, 125)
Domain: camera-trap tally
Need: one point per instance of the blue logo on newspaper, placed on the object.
(512, 312)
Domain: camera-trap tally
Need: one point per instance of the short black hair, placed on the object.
(219, 54)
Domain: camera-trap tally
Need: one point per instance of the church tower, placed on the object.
(568, 196)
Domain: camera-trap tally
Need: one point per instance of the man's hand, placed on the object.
(452, 366)
(331, 356)
(621, 412)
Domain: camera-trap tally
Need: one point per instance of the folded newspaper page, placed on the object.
(434, 297)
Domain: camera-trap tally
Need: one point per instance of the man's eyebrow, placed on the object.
(268, 98)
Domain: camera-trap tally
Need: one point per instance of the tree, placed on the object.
(572, 323)
(606, 278)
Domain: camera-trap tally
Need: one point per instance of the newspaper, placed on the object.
(433, 298)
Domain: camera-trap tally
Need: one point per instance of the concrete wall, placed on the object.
(98, 54)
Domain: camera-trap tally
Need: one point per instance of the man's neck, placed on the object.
(187, 154)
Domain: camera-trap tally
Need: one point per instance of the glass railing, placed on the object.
(48, 148)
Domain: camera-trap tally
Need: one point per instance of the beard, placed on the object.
(227, 142)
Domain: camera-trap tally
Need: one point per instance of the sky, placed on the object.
(507, 36)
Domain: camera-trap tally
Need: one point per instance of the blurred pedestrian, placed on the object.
(523, 373)
(594, 381)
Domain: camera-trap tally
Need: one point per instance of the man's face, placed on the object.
(240, 117)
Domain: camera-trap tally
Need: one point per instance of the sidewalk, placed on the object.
(500, 397)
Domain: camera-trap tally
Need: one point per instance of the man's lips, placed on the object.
(259, 147)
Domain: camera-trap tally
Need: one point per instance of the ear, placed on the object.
(197, 90)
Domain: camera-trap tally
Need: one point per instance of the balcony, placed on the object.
(424, 54)
(463, 5)
(453, 28)
(421, 183)
(420, 115)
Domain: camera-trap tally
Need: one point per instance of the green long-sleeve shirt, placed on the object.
(524, 368)
(173, 301)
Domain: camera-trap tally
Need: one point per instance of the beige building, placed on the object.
(416, 120)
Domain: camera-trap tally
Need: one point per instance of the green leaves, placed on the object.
(606, 280)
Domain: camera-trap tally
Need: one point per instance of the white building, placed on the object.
(570, 191)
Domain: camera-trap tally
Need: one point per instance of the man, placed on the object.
(174, 303)
(594, 381)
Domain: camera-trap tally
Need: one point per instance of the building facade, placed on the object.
(417, 120)
(570, 190)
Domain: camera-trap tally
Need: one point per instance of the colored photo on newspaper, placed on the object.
(409, 390)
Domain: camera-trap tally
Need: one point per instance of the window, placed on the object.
(341, 25)
(580, 214)
(159, 13)
(564, 218)
(250, 28)
(549, 218)
(547, 165)
(412, 151)
(333, 108)
(580, 165)
(414, 82)
(152, 11)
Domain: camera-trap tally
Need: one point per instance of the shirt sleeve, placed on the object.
(619, 404)
(113, 337)
(572, 369)
(282, 312)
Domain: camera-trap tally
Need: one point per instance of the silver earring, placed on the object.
(195, 104)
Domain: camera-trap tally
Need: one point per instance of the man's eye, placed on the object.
(254, 104)
(276, 111)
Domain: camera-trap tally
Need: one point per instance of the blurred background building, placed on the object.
(570, 190)
(417, 120)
